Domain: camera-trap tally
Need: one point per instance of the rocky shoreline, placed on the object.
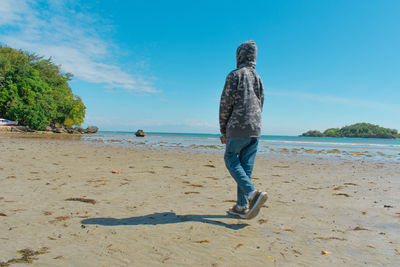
(52, 129)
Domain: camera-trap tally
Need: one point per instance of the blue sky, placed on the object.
(161, 65)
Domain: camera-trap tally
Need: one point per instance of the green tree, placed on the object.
(34, 91)
(331, 132)
(313, 133)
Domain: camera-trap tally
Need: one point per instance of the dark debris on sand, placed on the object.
(81, 199)
(27, 256)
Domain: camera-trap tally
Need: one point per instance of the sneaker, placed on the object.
(234, 211)
(256, 203)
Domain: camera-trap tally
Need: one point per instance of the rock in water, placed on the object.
(140, 133)
(92, 129)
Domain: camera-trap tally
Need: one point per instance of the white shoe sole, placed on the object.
(262, 198)
(237, 215)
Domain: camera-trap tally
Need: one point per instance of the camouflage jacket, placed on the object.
(243, 96)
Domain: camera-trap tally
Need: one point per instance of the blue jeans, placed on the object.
(239, 157)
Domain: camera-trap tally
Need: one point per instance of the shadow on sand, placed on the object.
(165, 218)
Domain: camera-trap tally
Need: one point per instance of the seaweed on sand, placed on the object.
(81, 199)
(27, 256)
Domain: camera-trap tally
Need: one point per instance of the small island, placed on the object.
(358, 130)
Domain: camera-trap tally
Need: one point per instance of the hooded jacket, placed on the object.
(243, 96)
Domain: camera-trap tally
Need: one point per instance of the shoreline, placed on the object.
(168, 207)
(265, 150)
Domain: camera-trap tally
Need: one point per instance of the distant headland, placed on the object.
(35, 92)
(358, 130)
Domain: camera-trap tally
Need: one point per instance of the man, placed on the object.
(240, 124)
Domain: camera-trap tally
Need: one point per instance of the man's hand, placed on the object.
(223, 139)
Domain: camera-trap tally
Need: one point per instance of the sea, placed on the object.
(288, 146)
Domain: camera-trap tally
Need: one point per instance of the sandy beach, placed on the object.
(80, 204)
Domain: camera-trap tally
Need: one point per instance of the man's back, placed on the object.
(243, 96)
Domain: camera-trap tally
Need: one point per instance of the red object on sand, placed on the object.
(3, 214)
(115, 171)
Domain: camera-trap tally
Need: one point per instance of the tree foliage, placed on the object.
(362, 130)
(35, 92)
(313, 133)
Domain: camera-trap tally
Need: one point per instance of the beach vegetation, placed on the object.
(331, 132)
(35, 92)
(360, 130)
(313, 133)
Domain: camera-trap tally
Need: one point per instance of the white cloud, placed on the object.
(71, 37)
(12, 11)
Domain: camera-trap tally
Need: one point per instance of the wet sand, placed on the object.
(80, 204)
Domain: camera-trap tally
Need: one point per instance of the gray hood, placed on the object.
(246, 54)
